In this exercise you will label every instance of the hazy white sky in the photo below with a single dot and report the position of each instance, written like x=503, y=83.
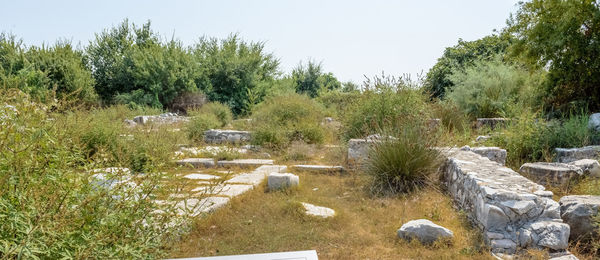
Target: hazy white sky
x=351, y=38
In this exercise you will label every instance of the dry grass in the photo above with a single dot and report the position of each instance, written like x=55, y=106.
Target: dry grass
x=364, y=227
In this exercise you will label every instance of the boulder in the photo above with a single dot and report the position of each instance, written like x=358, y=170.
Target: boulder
x=579, y=211
x=277, y=181
x=594, y=122
x=424, y=230
x=556, y=174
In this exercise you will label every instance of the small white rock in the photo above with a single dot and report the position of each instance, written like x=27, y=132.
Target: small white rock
x=318, y=211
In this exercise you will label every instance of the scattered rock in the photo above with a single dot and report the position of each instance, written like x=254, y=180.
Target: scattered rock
x=201, y=176
x=130, y=123
x=579, y=212
x=166, y=118
x=424, y=230
x=318, y=211
x=277, y=181
x=594, y=122
x=482, y=138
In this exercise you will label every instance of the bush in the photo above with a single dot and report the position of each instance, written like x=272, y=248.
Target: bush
x=386, y=103
x=529, y=138
x=492, y=89
x=200, y=123
x=280, y=120
x=53, y=208
x=222, y=112
x=402, y=161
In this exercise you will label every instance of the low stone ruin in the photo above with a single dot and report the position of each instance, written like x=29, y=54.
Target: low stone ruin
x=218, y=136
x=492, y=123
x=166, y=118
x=579, y=212
x=513, y=212
x=567, y=155
x=424, y=230
x=495, y=154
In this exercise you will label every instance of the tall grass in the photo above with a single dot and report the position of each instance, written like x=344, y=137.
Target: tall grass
x=403, y=160
x=50, y=205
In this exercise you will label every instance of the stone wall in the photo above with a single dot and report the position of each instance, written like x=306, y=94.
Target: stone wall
x=512, y=211
x=218, y=136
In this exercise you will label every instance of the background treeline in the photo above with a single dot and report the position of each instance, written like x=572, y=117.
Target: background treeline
x=134, y=65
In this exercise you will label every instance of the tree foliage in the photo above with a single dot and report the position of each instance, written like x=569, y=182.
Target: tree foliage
x=311, y=79
x=459, y=57
x=132, y=65
x=562, y=36
x=234, y=72
x=46, y=72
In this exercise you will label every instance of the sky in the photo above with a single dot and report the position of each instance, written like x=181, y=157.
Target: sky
x=352, y=39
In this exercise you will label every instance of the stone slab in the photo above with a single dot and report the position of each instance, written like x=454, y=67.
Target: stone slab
x=197, y=162
x=511, y=210
x=295, y=255
x=245, y=163
x=201, y=176
x=566, y=155
x=491, y=122
x=555, y=174
x=253, y=178
x=278, y=181
x=267, y=169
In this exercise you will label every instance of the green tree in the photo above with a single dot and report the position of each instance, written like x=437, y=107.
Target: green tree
x=131, y=65
x=46, y=73
x=234, y=72
x=562, y=36
x=311, y=79
x=459, y=57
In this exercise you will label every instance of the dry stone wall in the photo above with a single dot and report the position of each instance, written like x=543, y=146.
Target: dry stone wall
x=512, y=211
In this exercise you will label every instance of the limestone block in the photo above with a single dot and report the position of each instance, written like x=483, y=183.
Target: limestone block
x=424, y=230
x=491, y=122
x=579, y=212
x=318, y=211
x=594, y=122
x=278, y=181
x=556, y=174
x=218, y=136
x=566, y=155
x=197, y=162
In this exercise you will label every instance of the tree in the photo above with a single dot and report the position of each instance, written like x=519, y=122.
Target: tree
x=563, y=37
x=311, y=80
x=131, y=65
x=234, y=72
x=459, y=57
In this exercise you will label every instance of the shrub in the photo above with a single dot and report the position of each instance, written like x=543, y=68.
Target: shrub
x=200, y=123
x=386, y=103
x=222, y=112
x=403, y=161
x=311, y=80
x=283, y=119
x=491, y=89
x=529, y=138
x=46, y=194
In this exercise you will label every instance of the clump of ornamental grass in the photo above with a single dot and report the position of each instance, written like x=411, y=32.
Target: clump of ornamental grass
x=402, y=160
